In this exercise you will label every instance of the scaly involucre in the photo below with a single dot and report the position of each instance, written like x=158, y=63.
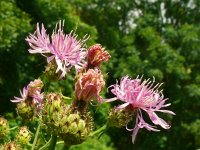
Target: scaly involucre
x=64, y=49
x=89, y=85
x=142, y=96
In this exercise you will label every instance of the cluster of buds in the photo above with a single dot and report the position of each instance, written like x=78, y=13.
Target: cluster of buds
x=30, y=101
x=23, y=137
x=63, y=120
x=76, y=128
x=4, y=127
x=90, y=82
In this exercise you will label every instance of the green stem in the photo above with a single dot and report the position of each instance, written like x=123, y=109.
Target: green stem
x=100, y=130
x=53, y=142
x=46, y=145
x=36, y=135
x=13, y=128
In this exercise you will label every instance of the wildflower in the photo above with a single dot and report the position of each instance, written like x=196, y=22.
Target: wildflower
x=31, y=94
x=63, y=49
x=97, y=55
x=24, y=95
x=141, y=96
x=89, y=85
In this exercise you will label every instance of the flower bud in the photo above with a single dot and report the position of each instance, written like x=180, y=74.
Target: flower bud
x=89, y=85
x=25, y=110
x=11, y=146
x=97, y=55
x=120, y=117
x=4, y=127
x=34, y=87
x=23, y=137
x=77, y=128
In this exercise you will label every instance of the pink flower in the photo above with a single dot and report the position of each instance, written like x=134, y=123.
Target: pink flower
x=64, y=49
x=24, y=96
x=89, y=85
x=142, y=96
x=97, y=55
x=31, y=93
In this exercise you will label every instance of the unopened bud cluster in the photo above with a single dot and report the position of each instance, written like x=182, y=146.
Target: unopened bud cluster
x=23, y=137
x=63, y=120
x=4, y=127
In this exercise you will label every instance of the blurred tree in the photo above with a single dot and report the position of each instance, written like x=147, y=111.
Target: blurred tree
x=15, y=65
x=154, y=38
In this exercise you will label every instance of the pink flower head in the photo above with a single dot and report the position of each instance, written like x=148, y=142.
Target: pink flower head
x=64, y=49
x=89, y=85
x=142, y=95
x=97, y=55
x=31, y=93
x=24, y=96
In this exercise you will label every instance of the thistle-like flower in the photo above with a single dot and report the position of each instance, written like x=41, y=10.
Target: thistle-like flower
x=24, y=96
x=31, y=94
x=97, y=55
x=141, y=96
x=89, y=85
x=63, y=49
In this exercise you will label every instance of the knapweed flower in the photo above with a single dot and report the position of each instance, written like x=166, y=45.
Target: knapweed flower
x=31, y=94
x=141, y=96
x=63, y=49
x=24, y=96
x=89, y=85
x=97, y=55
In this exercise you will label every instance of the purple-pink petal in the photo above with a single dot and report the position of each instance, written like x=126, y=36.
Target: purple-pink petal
x=65, y=49
x=142, y=96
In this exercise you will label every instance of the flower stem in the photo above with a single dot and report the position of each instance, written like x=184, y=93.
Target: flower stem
x=53, y=142
x=36, y=135
x=100, y=130
x=46, y=145
x=13, y=128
